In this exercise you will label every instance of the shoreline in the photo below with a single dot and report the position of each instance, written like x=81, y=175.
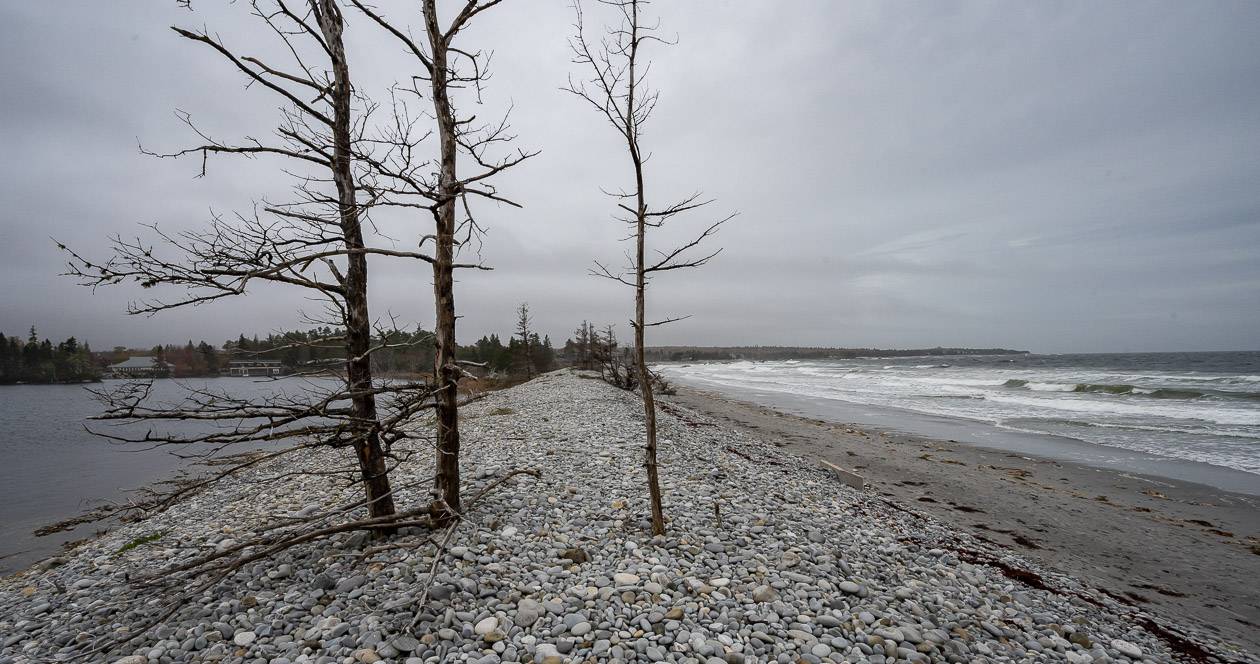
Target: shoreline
x=1183, y=551
x=767, y=558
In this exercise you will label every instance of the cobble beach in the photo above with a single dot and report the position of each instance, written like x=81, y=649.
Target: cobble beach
x=767, y=559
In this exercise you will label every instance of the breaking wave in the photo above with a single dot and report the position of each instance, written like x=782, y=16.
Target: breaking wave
x=1167, y=404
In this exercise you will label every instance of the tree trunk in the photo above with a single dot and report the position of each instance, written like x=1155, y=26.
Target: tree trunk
x=649, y=401
x=640, y=286
x=367, y=443
x=445, y=370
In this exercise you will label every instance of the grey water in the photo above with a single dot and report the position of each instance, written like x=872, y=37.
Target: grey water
x=1190, y=416
x=54, y=469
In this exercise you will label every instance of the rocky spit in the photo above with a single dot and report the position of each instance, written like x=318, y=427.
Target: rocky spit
x=767, y=559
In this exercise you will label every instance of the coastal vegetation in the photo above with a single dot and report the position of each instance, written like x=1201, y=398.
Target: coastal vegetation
x=399, y=353
x=41, y=361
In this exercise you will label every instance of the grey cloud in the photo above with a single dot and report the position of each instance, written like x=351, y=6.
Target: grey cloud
x=1062, y=177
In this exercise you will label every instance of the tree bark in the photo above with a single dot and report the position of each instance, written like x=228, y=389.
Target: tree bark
x=445, y=371
x=367, y=443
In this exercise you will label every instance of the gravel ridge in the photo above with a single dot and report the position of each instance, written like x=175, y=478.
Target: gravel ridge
x=768, y=559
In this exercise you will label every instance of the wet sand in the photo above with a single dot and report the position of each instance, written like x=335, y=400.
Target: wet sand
x=1188, y=554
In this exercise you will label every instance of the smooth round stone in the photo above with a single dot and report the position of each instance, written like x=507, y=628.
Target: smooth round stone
x=1127, y=649
x=850, y=587
x=625, y=579
x=486, y=626
x=580, y=629
x=528, y=611
x=244, y=638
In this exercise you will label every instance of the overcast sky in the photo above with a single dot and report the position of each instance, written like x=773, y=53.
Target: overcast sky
x=1058, y=176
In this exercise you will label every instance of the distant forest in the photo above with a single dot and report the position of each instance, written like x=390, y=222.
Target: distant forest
x=35, y=361
x=695, y=353
x=401, y=353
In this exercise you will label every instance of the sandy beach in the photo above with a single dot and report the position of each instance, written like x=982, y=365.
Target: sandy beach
x=1187, y=553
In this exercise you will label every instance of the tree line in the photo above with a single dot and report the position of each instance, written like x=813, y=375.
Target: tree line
x=35, y=361
x=402, y=353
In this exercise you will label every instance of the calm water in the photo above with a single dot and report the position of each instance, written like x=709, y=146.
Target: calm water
x=1195, y=407
x=51, y=468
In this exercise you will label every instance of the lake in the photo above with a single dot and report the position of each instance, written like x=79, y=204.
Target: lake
x=52, y=468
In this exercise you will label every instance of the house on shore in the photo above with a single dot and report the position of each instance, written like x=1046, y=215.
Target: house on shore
x=255, y=368
x=139, y=367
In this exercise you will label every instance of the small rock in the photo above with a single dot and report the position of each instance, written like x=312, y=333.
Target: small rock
x=577, y=556
x=1127, y=649
x=528, y=611
x=625, y=579
x=486, y=626
x=765, y=594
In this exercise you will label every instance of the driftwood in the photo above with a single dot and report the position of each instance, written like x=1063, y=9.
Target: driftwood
x=199, y=574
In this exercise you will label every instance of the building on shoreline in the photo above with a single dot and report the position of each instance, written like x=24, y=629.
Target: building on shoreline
x=139, y=367
x=255, y=368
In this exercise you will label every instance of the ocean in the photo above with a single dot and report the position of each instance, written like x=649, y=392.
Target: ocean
x=1200, y=408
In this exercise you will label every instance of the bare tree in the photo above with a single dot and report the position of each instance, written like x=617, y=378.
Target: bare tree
x=522, y=330
x=314, y=242
x=408, y=180
x=582, y=345
x=618, y=90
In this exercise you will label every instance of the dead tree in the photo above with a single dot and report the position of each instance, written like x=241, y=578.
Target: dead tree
x=522, y=329
x=618, y=90
x=408, y=180
x=315, y=242
x=582, y=346
x=611, y=360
